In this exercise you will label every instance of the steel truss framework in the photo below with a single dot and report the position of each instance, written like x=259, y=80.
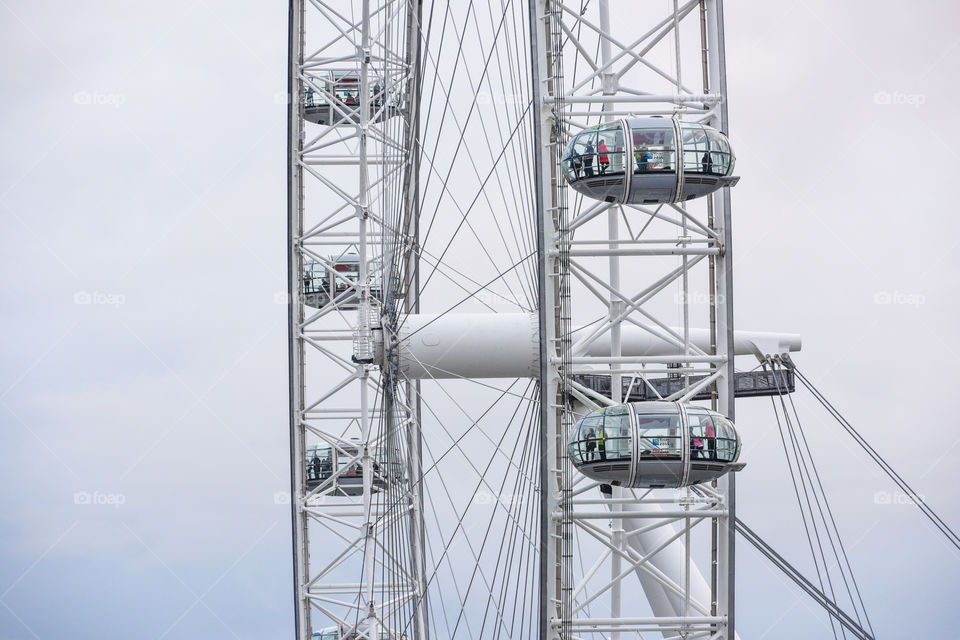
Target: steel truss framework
x=585, y=75
x=339, y=182
x=354, y=188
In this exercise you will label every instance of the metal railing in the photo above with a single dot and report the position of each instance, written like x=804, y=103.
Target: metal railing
x=612, y=163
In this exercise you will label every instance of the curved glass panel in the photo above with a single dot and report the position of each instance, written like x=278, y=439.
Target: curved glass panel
x=346, y=274
x=696, y=148
x=596, y=152
x=721, y=155
x=610, y=151
x=726, y=440
x=582, y=447
x=654, y=150
x=703, y=436
x=582, y=156
x=705, y=150
x=659, y=436
x=314, y=277
x=312, y=98
x=614, y=441
x=386, y=465
x=602, y=436
x=566, y=165
x=346, y=88
x=319, y=462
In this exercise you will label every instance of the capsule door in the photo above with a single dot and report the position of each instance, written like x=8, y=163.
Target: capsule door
x=658, y=447
x=653, y=178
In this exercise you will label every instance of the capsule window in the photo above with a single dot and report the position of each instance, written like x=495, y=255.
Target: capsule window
x=569, y=162
x=343, y=459
x=721, y=156
x=584, y=445
x=653, y=150
x=346, y=88
x=314, y=98
x=659, y=436
x=696, y=149
x=610, y=149
x=333, y=96
x=319, y=462
x=615, y=442
x=314, y=277
x=345, y=276
x=703, y=436
x=334, y=278
x=582, y=160
x=385, y=465
x=726, y=440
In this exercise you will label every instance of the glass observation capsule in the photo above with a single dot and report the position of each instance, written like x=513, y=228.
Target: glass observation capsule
x=654, y=444
x=333, y=98
x=340, y=472
x=636, y=161
x=335, y=280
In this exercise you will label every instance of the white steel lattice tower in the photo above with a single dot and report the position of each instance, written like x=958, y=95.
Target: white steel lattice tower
x=353, y=429
x=588, y=72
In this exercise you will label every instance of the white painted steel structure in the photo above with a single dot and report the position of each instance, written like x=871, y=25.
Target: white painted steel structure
x=593, y=279
x=588, y=72
x=365, y=581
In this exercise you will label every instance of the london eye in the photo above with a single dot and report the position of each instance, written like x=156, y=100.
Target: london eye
x=508, y=417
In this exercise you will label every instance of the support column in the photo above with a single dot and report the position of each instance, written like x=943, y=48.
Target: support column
x=295, y=355
x=548, y=213
x=411, y=215
x=726, y=538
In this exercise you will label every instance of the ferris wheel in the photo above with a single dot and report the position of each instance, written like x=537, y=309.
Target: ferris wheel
x=511, y=323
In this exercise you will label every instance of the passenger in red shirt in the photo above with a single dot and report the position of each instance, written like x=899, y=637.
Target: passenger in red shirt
x=604, y=159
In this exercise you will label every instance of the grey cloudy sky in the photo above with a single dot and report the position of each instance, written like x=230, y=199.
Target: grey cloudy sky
x=142, y=180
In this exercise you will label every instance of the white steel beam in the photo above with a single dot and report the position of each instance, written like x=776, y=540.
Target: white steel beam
x=459, y=345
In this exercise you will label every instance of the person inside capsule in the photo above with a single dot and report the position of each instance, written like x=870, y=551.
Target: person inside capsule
x=703, y=437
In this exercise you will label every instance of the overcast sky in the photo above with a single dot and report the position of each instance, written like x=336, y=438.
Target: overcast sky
x=143, y=390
